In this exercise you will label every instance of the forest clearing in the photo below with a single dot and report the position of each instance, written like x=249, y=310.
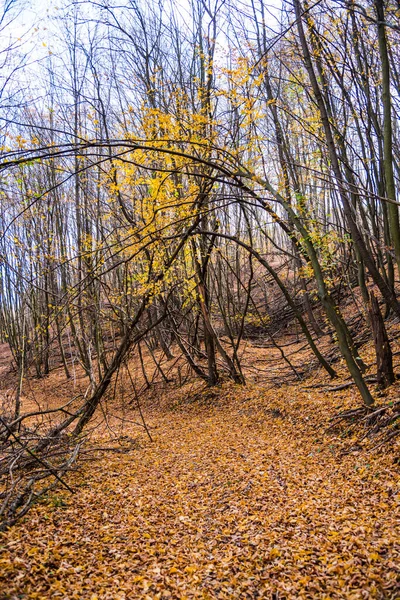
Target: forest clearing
x=199, y=299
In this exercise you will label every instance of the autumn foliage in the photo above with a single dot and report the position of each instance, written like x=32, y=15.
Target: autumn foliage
x=199, y=282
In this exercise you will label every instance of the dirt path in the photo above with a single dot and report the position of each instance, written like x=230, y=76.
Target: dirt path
x=245, y=499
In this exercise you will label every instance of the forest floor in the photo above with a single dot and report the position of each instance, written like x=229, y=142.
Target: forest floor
x=241, y=494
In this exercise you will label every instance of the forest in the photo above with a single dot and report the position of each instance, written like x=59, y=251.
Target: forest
x=199, y=299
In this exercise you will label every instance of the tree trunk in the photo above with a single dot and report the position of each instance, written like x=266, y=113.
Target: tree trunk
x=384, y=358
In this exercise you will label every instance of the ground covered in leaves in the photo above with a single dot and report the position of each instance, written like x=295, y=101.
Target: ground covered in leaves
x=240, y=495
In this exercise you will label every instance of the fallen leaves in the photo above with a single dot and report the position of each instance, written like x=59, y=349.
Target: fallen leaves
x=230, y=501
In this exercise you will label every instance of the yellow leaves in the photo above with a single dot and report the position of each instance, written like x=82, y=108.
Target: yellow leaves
x=374, y=556
x=306, y=271
x=21, y=142
x=275, y=553
x=191, y=569
x=333, y=535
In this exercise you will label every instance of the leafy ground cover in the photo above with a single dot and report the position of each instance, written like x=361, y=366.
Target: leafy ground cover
x=240, y=495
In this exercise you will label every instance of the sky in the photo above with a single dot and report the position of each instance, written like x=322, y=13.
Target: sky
x=36, y=31
x=34, y=14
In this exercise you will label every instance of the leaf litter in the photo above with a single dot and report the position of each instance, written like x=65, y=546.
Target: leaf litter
x=240, y=495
